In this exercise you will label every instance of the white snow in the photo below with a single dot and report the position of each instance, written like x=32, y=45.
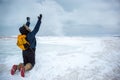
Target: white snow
x=65, y=58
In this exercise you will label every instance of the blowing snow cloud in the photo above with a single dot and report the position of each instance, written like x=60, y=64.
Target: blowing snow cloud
x=62, y=17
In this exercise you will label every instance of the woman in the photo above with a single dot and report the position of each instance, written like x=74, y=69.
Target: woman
x=29, y=54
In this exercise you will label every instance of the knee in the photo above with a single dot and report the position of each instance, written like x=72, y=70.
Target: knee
x=28, y=66
x=20, y=65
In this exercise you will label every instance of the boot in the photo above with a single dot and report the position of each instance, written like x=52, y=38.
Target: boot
x=22, y=71
x=13, y=70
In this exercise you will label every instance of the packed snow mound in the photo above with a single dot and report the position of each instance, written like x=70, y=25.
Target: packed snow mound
x=65, y=58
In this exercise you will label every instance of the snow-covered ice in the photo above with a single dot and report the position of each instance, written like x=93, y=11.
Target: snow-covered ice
x=65, y=58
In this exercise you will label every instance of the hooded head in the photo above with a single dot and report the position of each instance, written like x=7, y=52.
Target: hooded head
x=24, y=29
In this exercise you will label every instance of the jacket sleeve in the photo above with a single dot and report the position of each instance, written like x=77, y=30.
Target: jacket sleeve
x=37, y=26
x=28, y=23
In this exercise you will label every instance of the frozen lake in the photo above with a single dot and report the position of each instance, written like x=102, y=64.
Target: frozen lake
x=65, y=58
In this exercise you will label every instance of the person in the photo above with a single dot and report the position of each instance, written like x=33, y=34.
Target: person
x=29, y=54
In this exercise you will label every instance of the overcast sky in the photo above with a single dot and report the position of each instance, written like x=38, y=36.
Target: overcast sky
x=62, y=17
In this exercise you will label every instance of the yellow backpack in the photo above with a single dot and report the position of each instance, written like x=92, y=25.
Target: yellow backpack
x=22, y=43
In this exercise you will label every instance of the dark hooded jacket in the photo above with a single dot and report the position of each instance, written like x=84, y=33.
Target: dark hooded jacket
x=31, y=35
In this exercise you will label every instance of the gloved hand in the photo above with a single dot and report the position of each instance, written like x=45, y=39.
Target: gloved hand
x=40, y=17
x=28, y=19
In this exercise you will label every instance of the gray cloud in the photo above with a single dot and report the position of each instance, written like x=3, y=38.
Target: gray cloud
x=104, y=14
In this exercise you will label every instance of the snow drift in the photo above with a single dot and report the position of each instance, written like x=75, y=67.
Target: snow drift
x=65, y=58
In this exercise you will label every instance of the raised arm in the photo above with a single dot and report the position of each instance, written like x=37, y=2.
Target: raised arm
x=28, y=21
x=37, y=26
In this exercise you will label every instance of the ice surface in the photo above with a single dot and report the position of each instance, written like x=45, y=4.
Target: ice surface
x=65, y=58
